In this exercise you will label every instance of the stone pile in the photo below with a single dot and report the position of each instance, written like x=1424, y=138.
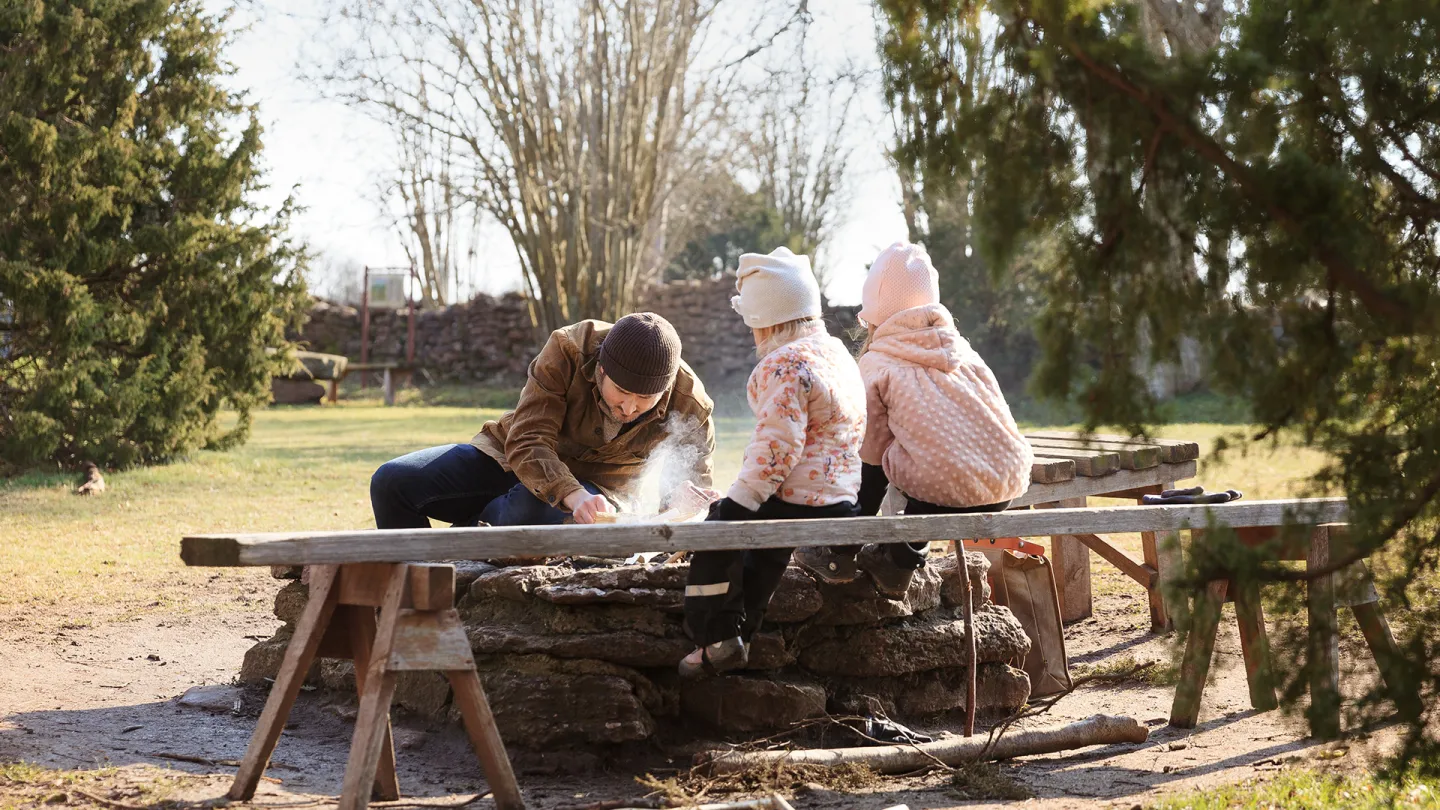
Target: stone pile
x=588, y=657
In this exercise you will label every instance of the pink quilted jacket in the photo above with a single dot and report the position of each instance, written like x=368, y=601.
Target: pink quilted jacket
x=936, y=420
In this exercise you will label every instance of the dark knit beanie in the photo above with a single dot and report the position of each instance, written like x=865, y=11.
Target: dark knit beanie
x=641, y=353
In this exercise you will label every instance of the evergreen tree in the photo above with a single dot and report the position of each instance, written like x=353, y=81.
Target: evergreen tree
x=1273, y=192
x=140, y=289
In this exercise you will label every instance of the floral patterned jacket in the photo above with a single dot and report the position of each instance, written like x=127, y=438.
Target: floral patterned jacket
x=809, y=405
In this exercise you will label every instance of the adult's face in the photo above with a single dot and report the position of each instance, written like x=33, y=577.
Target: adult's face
x=621, y=405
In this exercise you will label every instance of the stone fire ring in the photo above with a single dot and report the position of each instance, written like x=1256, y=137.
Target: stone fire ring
x=588, y=657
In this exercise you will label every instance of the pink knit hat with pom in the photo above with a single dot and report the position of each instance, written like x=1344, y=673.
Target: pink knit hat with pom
x=902, y=277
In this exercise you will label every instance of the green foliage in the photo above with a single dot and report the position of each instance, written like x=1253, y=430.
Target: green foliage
x=1270, y=188
x=139, y=290
x=995, y=311
x=741, y=222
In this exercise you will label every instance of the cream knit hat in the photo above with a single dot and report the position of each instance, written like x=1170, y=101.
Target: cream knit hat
x=775, y=287
x=902, y=277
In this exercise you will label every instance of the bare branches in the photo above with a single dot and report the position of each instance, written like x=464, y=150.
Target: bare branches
x=565, y=121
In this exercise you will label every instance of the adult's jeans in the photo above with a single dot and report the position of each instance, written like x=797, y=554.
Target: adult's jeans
x=457, y=484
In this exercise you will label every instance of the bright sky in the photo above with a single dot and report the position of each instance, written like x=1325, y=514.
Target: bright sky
x=331, y=155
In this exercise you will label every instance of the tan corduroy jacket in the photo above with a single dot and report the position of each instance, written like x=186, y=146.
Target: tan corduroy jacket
x=556, y=436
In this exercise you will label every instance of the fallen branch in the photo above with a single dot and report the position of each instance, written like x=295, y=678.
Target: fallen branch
x=101, y=800
x=1097, y=730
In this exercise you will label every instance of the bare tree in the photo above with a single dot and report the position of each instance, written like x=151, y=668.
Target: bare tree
x=569, y=121
x=435, y=216
x=799, y=149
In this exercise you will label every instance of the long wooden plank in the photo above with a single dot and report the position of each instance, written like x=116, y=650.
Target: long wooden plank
x=1126, y=481
x=1087, y=462
x=310, y=548
x=1173, y=450
x=1131, y=457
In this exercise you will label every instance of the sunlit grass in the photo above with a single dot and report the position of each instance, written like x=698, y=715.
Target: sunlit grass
x=308, y=468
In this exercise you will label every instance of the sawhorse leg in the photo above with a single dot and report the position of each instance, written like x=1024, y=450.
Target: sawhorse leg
x=417, y=629
x=1199, y=648
x=1070, y=560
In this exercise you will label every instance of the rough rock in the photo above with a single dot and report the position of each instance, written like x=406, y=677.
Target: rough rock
x=935, y=641
x=797, y=598
x=425, y=693
x=859, y=603
x=516, y=584
x=539, y=616
x=624, y=647
x=999, y=690
x=950, y=593
x=768, y=651
x=567, y=594
x=290, y=602
x=741, y=703
x=540, y=701
x=211, y=698
x=337, y=674
x=624, y=577
x=263, y=660
x=466, y=572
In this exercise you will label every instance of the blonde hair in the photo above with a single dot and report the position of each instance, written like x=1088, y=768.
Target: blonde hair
x=770, y=338
x=866, y=329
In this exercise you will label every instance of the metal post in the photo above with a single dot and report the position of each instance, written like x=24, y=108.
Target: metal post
x=365, y=327
x=410, y=328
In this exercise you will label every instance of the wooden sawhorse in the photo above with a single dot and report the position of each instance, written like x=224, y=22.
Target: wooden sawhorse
x=1357, y=592
x=417, y=629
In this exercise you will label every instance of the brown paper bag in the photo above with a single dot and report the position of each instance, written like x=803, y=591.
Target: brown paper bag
x=1025, y=583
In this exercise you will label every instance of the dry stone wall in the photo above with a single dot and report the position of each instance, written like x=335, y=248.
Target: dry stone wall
x=588, y=657
x=490, y=339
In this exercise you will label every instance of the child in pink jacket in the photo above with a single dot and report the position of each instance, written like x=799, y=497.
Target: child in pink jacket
x=803, y=460
x=938, y=426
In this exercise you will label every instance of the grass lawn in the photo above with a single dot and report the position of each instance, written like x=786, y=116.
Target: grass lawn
x=309, y=468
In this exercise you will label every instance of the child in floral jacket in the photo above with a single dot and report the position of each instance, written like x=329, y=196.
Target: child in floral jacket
x=803, y=460
x=938, y=425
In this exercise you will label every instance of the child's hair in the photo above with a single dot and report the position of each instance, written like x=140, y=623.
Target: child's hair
x=864, y=344
x=770, y=338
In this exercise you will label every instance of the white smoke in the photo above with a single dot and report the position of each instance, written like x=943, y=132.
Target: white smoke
x=677, y=459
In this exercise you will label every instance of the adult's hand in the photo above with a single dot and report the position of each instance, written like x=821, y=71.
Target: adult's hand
x=584, y=507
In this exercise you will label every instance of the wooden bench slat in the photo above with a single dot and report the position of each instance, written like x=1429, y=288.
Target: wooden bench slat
x=1051, y=470
x=308, y=548
x=1087, y=464
x=1130, y=458
x=1173, y=451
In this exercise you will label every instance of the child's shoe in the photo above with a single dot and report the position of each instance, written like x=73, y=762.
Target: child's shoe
x=826, y=565
x=713, y=659
x=891, y=580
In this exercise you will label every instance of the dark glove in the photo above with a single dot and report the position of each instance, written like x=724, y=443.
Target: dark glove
x=1173, y=497
x=726, y=509
x=886, y=730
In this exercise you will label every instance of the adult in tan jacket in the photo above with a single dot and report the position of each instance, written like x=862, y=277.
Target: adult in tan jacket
x=602, y=403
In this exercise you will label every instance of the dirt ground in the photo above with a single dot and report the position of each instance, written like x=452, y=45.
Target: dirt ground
x=84, y=690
